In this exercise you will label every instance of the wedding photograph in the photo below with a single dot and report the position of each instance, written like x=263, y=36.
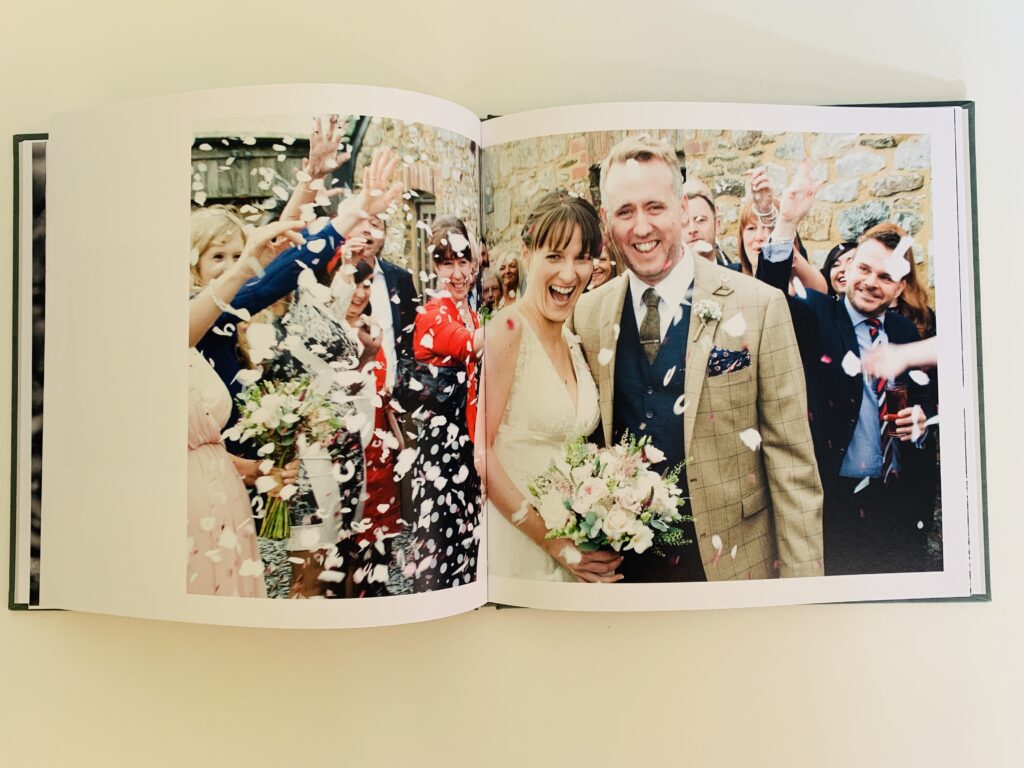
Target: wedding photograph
x=712, y=356
x=333, y=364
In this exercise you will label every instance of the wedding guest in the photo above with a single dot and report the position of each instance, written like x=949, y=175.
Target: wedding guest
x=606, y=266
x=877, y=463
x=445, y=484
x=834, y=268
x=381, y=519
x=508, y=273
x=223, y=557
x=756, y=230
x=701, y=232
x=490, y=291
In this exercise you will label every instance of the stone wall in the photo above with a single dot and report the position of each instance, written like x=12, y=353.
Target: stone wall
x=435, y=163
x=869, y=178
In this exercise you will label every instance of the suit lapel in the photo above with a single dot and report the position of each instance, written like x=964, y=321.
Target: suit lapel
x=392, y=285
x=708, y=285
x=845, y=327
x=612, y=307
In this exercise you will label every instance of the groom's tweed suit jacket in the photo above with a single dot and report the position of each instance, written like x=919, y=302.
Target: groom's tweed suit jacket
x=765, y=503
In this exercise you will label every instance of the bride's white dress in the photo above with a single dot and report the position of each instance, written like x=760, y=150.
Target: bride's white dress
x=538, y=420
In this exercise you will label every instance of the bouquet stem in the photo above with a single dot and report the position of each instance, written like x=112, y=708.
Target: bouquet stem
x=277, y=522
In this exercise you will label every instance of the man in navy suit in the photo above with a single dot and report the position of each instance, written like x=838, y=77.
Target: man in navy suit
x=393, y=302
x=878, y=494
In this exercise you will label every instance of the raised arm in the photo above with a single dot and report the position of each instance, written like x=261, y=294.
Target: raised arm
x=206, y=306
x=324, y=157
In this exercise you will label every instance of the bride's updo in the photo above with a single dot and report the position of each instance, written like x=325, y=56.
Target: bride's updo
x=554, y=219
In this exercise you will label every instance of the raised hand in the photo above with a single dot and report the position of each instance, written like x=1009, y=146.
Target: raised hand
x=324, y=143
x=376, y=194
x=263, y=244
x=759, y=189
x=796, y=199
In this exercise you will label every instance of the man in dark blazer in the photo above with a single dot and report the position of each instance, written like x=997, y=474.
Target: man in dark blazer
x=393, y=303
x=878, y=494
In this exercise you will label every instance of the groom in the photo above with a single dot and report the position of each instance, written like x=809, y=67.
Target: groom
x=703, y=360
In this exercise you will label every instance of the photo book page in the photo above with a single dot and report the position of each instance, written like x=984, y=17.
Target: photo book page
x=610, y=357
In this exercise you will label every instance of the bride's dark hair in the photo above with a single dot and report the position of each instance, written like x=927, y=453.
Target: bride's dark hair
x=554, y=219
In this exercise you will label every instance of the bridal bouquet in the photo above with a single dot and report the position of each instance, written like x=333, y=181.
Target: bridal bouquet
x=610, y=497
x=281, y=415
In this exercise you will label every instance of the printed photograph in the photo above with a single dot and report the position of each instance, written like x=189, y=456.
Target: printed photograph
x=334, y=339
x=710, y=356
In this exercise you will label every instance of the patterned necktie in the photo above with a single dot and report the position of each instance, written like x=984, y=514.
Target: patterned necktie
x=888, y=442
x=650, y=329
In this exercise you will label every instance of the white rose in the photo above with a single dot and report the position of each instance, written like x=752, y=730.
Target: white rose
x=553, y=512
x=590, y=492
x=646, y=482
x=642, y=539
x=629, y=499
x=617, y=523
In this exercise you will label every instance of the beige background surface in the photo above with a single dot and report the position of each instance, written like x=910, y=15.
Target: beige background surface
x=929, y=684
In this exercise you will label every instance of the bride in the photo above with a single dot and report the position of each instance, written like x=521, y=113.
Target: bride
x=539, y=393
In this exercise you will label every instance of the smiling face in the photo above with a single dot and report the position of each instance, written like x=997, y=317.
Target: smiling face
x=455, y=275
x=602, y=270
x=837, y=273
x=870, y=286
x=645, y=215
x=702, y=231
x=360, y=299
x=755, y=235
x=508, y=273
x=490, y=290
x=219, y=255
x=557, y=276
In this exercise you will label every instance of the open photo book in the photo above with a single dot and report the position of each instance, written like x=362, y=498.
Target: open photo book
x=610, y=357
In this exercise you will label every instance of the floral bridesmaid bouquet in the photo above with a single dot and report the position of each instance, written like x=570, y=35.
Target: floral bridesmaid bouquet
x=281, y=415
x=610, y=498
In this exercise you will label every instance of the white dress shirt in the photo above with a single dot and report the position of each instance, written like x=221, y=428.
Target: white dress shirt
x=671, y=292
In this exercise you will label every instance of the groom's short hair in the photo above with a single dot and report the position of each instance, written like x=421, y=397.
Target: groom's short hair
x=642, y=148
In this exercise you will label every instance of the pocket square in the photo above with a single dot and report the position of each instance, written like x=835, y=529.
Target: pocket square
x=727, y=361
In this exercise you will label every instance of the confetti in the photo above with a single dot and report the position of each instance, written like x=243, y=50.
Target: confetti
x=205, y=147
x=250, y=567
x=862, y=485
x=826, y=359
x=851, y=364
x=703, y=246
x=207, y=523
x=919, y=377
x=735, y=325
x=605, y=356
x=461, y=475
x=679, y=406
x=915, y=427
x=265, y=466
x=520, y=514
x=615, y=331
x=716, y=542
x=751, y=438
x=278, y=147
x=734, y=550
x=228, y=539
x=265, y=483
x=200, y=198
x=266, y=450
x=571, y=555
x=404, y=461
x=933, y=420
x=798, y=288
x=920, y=525
x=668, y=376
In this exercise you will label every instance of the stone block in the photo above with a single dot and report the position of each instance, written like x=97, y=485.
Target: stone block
x=879, y=142
x=828, y=145
x=816, y=223
x=739, y=166
x=914, y=154
x=856, y=219
x=909, y=221
x=554, y=147
x=859, y=163
x=729, y=186
x=502, y=210
x=891, y=184
x=791, y=148
x=745, y=139
x=840, y=191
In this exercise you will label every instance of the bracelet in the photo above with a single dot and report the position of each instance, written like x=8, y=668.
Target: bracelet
x=223, y=306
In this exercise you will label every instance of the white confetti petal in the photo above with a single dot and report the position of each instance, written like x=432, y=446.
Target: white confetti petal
x=915, y=427
x=862, y=485
x=703, y=246
x=458, y=243
x=288, y=491
x=520, y=514
x=207, y=523
x=266, y=450
x=734, y=550
x=265, y=466
x=461, y=475
x=920, y=525
x=427, y=341
x=604, y=356
x=668, y=376
x=248, y=376
x=265, y=483
x=934, y=420
x=205, y=147
x=735, y=325
x=571, y=555
x=798, y=288
x=200, y=198
x=851, y=364
x=333, y=577
x=228, y=539
x=250, y=567
x=919, y=377
x=679, y=406
x=716, y=542
x=751, y=438
x=315, y=246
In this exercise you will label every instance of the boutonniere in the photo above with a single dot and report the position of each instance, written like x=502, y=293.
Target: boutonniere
x=708, y=311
